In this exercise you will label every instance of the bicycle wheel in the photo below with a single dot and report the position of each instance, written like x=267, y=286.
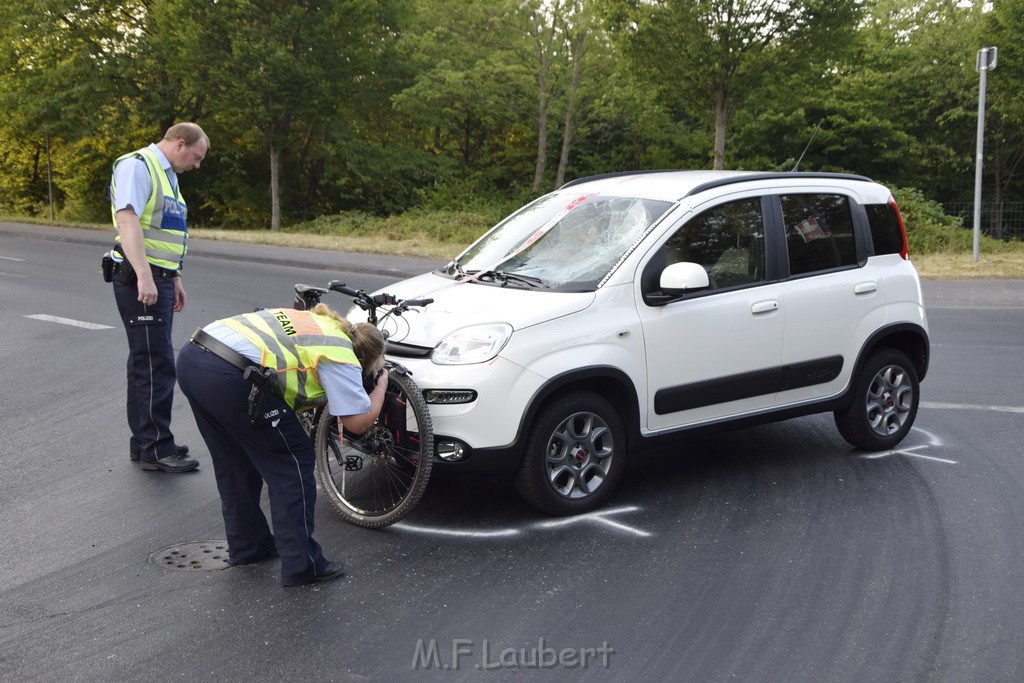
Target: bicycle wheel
x=376, y=478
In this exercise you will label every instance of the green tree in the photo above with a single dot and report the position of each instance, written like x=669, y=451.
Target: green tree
x=707, y=56
x=275, y=73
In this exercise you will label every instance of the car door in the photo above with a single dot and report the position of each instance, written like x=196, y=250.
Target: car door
x=831, y=299
x=712, y=354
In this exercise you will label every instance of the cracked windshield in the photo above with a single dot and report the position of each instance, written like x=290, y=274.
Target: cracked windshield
x=562, y=241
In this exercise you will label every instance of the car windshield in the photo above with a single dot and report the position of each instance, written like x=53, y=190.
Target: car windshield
x=561, y=241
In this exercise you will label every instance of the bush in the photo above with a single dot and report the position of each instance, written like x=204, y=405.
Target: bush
x=929, y=230
x=447, y=227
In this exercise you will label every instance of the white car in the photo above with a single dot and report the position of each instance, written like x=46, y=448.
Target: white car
x=631, y=306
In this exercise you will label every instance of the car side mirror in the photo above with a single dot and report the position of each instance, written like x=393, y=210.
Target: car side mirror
x=683, y=278
x=675, y=281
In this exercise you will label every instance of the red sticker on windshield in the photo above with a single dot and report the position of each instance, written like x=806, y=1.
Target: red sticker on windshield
x=579, y=200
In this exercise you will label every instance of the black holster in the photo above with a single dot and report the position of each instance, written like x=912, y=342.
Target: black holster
x=264, y=382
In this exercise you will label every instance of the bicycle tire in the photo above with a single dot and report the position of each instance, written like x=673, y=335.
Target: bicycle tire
x=376, y=479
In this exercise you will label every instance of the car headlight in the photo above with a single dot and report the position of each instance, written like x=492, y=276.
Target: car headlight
x=476, y=344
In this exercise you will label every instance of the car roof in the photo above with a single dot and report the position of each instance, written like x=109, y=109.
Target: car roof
x=674, y=185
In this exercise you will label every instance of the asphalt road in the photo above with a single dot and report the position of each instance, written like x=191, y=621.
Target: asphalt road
x=774, y=553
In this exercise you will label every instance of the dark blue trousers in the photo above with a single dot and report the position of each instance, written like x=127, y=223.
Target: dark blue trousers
x=150, y=368
x=244, y=456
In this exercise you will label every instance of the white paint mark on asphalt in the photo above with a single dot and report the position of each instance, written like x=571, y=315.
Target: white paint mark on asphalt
x=600, y=518
x=11, y=258
x=498, y=533
x=12, y=274
x=931, y=457
x=69, y=321
x=971, y=406
x=910, y=450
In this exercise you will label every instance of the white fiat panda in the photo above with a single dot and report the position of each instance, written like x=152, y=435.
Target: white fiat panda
x=626, y=307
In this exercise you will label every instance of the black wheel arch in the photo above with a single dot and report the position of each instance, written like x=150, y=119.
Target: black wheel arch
x=909, y=338
x=609, y=382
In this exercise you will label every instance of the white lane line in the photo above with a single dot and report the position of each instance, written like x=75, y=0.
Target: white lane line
x=69, y=321
x=11, y=258
x=12, y=274
x=971, y=406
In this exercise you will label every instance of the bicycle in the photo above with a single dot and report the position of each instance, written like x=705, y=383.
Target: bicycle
x=376, y=478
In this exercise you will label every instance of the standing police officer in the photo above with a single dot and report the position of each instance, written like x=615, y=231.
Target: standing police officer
x=149, y=214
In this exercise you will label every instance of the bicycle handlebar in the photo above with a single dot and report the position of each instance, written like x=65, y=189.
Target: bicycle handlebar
x=367, y=302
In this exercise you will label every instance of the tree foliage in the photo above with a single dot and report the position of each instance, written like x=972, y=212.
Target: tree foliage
x=320, y=106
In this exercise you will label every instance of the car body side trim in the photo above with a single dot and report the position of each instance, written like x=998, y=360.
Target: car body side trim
x=747, y=385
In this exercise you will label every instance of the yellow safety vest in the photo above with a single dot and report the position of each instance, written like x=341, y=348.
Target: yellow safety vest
x=163, y=218
x=293, y=343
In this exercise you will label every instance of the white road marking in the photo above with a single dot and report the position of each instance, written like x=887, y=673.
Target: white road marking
x=12, y=274
x=971, y=406
x=69, y=321
x=11, y=258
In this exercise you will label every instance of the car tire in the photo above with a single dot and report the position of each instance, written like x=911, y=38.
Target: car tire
x=574, y=454
x=886, y=394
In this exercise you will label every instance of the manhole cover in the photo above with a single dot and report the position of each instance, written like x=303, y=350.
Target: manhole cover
x=197, y=555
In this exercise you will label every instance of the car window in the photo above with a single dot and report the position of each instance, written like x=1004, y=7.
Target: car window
x=886, y=233
x=728, y=240
x=819, y=232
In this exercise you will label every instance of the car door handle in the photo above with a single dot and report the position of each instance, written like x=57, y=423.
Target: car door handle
x=866, y=288
x=764, y=307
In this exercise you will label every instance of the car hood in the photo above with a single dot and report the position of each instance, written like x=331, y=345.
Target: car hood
x=459, y=304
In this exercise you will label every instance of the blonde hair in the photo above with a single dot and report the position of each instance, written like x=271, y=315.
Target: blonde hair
x=367, y=341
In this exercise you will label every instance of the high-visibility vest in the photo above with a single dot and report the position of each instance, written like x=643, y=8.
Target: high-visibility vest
x=163, y=218
x=293, y=343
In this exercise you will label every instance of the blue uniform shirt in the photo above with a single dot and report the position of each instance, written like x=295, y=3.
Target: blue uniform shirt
x=133, y=184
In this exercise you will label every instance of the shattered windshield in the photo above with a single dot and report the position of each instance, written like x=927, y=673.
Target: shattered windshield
x=561, y=241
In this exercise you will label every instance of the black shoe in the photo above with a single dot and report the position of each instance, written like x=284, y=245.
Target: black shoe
x=182, y=450
x=172, y=463
x=332, y=571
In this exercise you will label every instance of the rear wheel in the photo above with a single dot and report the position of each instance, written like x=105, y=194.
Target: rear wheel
x=376, y=478
x=574, y=455
x=886, y=395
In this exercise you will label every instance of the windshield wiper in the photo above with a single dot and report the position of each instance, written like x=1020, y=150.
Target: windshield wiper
x=505, y=278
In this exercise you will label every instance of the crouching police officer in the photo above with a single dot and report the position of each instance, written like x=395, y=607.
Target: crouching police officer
x=244, y=378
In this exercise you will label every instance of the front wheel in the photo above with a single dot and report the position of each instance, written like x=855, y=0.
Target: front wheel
x=574, y=455
x=886, y=394
x=375, y=479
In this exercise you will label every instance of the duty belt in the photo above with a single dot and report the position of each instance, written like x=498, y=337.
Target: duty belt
x=207, y=342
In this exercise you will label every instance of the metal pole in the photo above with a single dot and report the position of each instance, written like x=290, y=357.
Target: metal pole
x=986, y=62
x=49, y=176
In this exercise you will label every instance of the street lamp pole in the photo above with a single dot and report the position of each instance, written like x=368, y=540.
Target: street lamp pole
x=986, y=62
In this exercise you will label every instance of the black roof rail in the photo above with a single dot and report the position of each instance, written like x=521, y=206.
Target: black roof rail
x=728, y=180
x=777, y=175
x=617, y=174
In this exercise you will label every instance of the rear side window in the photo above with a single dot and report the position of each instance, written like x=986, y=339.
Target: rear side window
x=819, y=232
x=885, y=228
